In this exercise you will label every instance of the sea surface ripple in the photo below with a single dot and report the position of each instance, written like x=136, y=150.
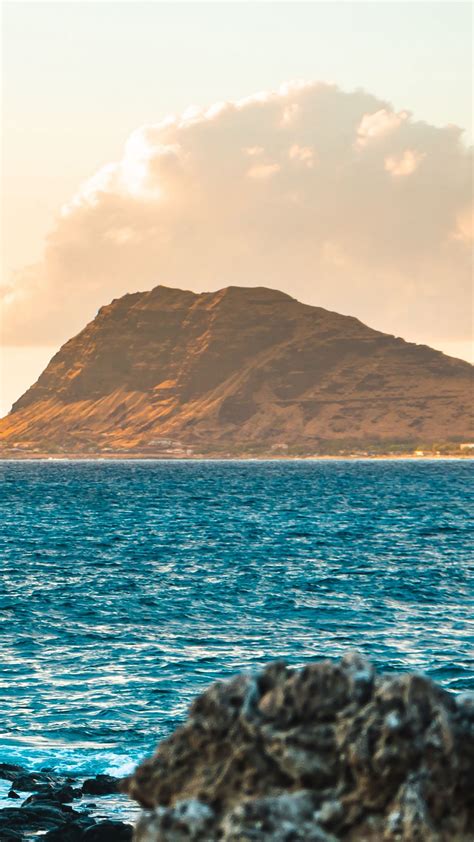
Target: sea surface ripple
x=128, y=586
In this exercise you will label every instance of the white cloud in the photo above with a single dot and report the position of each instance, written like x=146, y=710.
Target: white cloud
x=331, y=196
x=378, y=124
x=404, y=164
x=253, y=150
x=303, y=154
x=261, y=171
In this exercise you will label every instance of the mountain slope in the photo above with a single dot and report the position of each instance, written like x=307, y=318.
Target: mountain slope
x=238, y=368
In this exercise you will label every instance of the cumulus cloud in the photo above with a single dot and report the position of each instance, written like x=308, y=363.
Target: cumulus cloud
x=374, y=126
x=331, y=196
x=404, y=164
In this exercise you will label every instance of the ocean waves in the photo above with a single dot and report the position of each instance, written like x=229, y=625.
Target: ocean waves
x=128, y=587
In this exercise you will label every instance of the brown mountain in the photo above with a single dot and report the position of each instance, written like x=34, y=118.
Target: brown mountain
x=237, y=370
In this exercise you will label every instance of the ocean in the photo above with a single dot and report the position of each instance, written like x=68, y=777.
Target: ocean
x=127, y=587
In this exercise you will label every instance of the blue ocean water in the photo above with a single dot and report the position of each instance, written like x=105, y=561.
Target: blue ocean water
x=128, y=586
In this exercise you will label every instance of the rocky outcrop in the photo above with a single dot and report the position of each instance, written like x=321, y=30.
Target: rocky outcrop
x=41, y=808
x=236, y=371
x=325, y=753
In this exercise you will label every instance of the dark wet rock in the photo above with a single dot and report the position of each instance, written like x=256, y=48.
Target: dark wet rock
x=11, y=836
x=326, y=753
x=72, y=831
x=34, y=817
x=38, y=800
x=9, y=771
x=87, y=830
x=101, y=785
x=44, y=812
x=46, y=808
x=67, y=833
x=31, y=781
x=56, y=793
x=109, y=831
x=68, y=793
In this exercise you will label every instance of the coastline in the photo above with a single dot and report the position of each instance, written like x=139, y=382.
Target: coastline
x=123, y=457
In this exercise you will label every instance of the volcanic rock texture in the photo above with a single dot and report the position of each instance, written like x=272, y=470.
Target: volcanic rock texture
x=329, y=752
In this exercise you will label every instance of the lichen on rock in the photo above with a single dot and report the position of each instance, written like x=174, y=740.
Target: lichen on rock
x=329, y=752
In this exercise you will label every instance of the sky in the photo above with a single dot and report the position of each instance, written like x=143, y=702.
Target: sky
x=350, y=191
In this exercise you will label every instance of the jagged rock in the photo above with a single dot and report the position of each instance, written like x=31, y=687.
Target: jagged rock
x=329, y=752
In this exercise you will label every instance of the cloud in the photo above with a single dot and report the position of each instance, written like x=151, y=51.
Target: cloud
x=373, y=127
x=331, y=196
x=263, y=170
x=303, y=154
x=404, y=164
x=465, y=226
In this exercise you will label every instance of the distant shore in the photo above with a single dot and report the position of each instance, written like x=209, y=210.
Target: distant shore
x=141, y=457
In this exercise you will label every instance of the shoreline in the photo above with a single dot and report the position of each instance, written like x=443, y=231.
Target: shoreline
x=123, y=457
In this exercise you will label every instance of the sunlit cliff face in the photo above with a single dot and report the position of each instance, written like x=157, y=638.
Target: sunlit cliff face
x=328, y=195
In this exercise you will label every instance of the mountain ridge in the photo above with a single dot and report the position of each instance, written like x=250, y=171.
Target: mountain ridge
x=237, y=368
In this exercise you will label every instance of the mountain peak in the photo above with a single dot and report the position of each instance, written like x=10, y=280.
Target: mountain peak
x=239, y=367
x=250, y=293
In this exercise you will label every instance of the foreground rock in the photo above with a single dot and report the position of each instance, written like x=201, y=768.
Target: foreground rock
x=46, y=810
x=329, y=752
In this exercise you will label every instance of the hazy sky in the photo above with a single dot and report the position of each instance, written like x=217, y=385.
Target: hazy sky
x=340, y=197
